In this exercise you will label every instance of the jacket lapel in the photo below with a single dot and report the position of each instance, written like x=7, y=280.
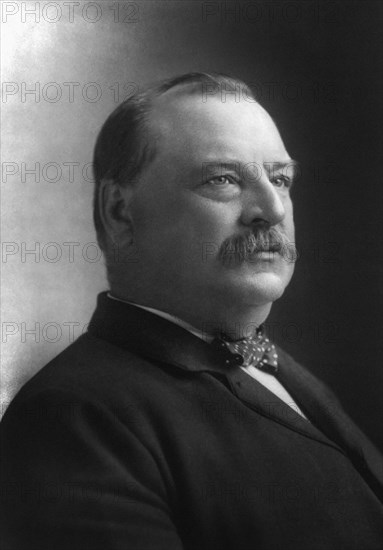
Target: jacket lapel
x=266, y=403
x=329, y=416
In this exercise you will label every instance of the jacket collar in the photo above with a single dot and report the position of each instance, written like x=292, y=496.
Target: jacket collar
x=172, y=318
x=152, y=336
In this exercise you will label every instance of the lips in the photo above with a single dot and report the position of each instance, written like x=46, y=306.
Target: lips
x=272, y=247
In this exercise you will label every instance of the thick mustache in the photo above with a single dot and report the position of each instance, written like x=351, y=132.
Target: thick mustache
x=242, y=248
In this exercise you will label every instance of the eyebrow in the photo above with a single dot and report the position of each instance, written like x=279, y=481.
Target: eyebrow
x=294, y=163
x=237, y=166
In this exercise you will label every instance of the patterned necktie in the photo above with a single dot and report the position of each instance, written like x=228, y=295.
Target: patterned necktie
x=256, y=351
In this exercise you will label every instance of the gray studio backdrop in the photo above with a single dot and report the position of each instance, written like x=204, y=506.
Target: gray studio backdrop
x=314, y=65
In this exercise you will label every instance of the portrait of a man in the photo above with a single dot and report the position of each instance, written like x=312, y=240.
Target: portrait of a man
x=177, y=419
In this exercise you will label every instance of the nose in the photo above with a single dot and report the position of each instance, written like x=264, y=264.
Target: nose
x=262, y=203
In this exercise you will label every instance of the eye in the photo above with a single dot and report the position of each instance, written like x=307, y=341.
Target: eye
x=221, y=181
x=282, y=181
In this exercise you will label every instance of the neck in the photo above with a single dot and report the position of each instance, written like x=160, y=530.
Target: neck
x=235, y=320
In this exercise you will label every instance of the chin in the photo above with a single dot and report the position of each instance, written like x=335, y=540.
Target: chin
x=266, y=287
x=259, y=288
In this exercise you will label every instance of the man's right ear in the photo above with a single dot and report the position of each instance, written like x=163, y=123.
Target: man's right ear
x=114, y=209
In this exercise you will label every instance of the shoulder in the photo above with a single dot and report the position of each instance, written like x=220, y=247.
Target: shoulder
x=90, y=374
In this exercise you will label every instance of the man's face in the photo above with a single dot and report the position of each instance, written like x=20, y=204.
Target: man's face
x=214, y=177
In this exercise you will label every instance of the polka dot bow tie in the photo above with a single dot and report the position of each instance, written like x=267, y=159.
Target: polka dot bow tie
x=256, y=351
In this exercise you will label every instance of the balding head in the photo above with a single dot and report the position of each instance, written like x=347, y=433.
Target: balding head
x=127, y=141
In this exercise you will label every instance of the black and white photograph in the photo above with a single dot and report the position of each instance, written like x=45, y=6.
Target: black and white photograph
x=191, y=288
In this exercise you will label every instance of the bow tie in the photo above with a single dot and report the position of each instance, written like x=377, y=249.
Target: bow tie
x=256, y=351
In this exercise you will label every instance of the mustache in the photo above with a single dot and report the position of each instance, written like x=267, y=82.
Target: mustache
x=245, y=247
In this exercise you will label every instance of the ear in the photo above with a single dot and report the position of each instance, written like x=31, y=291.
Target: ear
x=114, y=204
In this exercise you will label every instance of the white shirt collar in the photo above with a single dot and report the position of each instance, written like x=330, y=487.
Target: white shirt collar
x=199, y=333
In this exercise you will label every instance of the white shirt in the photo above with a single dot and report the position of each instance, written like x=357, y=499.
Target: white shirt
x=265, y=378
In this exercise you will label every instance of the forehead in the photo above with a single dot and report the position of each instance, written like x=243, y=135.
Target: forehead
x=187, y=127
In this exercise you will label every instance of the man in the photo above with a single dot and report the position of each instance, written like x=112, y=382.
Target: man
x=174, y=423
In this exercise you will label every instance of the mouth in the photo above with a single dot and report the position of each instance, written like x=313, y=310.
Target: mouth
x=266, y=252
x=268, y=248
x=263, y=255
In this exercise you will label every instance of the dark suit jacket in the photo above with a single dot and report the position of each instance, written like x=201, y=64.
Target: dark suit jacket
x=136, y=437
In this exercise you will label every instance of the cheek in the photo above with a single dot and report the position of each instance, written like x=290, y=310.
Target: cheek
x=208, y=227
x=289, y=219
x=194, y=217
x=182, y=224
x=211, y=217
